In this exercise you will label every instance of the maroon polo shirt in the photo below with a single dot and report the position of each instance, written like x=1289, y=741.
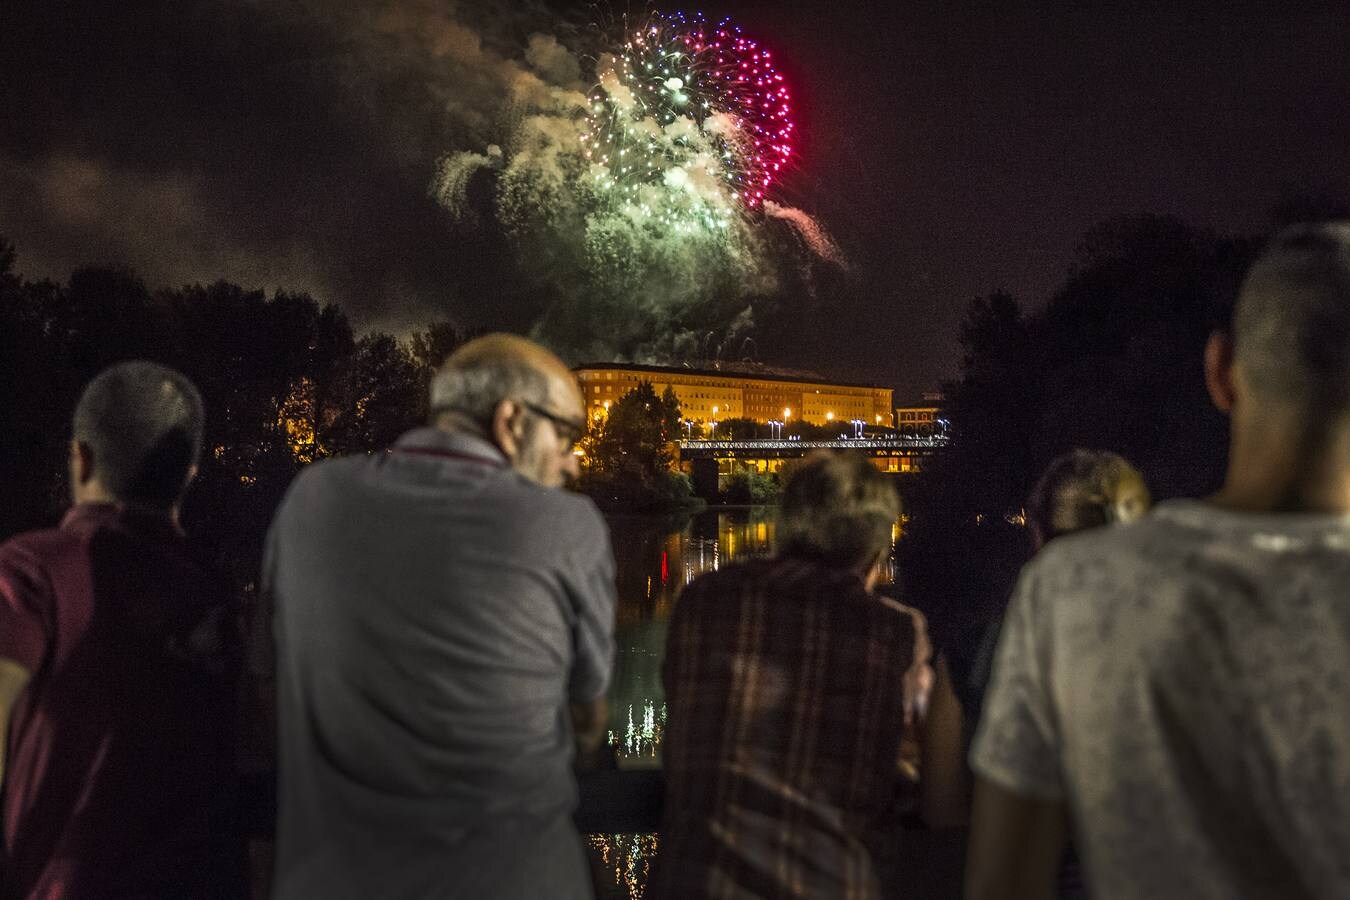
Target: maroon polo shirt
x=119, y=763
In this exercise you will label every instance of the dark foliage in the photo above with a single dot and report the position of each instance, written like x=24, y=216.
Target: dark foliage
x=283, y=380
x=1113, y=361
x=752, y=488
x=629, y=453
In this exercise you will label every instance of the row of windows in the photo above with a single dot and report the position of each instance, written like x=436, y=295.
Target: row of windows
x=736, y=384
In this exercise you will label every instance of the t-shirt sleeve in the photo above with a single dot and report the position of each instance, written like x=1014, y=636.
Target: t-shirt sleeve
x=25, y=603
x=1017, y=743
x=594, y=598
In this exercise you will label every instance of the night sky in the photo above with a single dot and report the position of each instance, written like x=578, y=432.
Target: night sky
x=951, y=149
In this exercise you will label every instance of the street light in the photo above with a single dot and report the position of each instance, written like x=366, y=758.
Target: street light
x=829, y=417
x=713, y=423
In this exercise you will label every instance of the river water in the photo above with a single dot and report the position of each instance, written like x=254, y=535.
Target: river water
x=655, y=558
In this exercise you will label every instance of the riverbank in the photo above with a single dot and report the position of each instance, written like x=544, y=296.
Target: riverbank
x=673, y=493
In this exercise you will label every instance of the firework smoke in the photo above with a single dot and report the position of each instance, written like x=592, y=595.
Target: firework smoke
x=637, y=208
x=810, y=232
x=453, y=174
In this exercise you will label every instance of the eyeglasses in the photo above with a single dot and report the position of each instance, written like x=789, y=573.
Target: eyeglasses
x=569, y=431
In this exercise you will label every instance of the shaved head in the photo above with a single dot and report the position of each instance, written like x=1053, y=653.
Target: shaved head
x=518, y=395
x=142, y=422
x=497, y=367
x=1291, y=327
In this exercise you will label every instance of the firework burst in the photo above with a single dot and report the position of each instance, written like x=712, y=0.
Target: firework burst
x=689, y=123
x=643, y=206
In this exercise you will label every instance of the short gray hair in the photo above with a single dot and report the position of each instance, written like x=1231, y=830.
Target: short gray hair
x=143, y=423
x=837, y=508
x=1291, y=327
x=473, y=385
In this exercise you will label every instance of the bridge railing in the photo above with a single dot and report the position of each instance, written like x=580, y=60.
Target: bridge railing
x=900, y=443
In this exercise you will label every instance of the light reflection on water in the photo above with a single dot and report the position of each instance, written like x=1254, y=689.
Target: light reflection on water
x=655, y=559
x=625, y=857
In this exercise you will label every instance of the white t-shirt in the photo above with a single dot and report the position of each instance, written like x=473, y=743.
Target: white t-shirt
x=1183, y=684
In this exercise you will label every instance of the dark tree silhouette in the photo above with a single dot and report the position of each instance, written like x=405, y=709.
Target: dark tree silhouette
x=282, y=379
x=1112, y=361
x=381, y=392
x=628, y=453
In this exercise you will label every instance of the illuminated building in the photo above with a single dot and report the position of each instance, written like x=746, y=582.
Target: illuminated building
x=921, y=418
x=757, y=393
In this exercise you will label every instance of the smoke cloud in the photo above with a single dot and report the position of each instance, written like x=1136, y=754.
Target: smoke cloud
x=640, y=256
x=410, y=160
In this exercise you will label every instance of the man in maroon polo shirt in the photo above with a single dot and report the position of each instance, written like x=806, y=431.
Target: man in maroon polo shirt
x=117, y=669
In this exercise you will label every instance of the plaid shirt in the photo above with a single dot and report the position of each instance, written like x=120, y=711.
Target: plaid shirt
x=785, y=688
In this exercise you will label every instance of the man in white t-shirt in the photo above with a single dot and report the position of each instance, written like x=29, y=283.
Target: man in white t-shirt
x=1179, y=689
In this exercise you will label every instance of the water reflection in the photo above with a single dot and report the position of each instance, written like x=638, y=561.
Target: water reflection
x=625, y=858
x=656, y=558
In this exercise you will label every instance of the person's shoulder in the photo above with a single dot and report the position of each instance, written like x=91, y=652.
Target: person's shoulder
x=1086, y=573
x=33, y=548
x=785, y=576
x=729, y=576
x=554, y=506
x=1110, y=545
x=332, y=469
x=569, y=503
x=546, y=517
x=323, y=477
x=28, y=561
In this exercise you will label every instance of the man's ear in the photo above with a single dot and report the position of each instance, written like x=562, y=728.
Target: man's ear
x=505, y=433
x=1219, y=371
x=81, y=462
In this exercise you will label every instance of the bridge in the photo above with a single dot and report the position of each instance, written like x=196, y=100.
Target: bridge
x=712, y=462
x=786, y=448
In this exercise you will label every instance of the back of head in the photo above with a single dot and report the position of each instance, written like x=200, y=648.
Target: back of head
x=839, y=509
x=1084, y=489
x=1292, y=322
x=488, y=370
x=143, y=424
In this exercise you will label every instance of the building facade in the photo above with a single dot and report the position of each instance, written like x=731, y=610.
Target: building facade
x=921, y=419
x=709, y=395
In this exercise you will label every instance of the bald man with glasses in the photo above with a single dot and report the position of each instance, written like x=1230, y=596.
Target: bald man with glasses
x=444, y=637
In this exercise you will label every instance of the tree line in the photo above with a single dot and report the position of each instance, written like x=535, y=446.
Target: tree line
x=1112, y=361
x=283, y=378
